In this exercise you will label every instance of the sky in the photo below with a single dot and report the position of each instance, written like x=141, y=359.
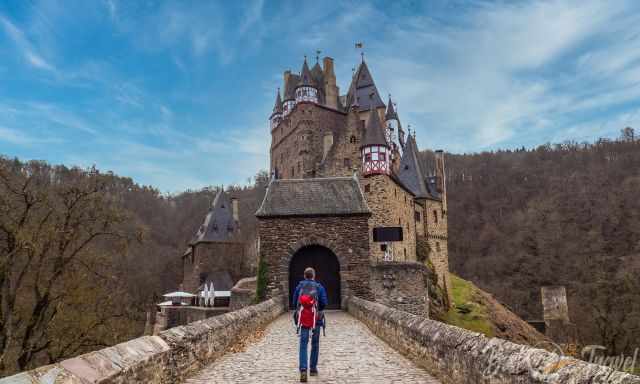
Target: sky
x=177, y=94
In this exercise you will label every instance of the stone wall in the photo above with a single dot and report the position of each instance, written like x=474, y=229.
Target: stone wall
x=243, y=293
x=455, y=355
x=215, y=256
x=297, y=142
x=391, y=206
x=173, y=316
x=402, y=286
x=346, y=236
x=437, y=240
x=167, y=358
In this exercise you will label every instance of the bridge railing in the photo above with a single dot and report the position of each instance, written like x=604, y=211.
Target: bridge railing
x=456, y=355
x=169, y=357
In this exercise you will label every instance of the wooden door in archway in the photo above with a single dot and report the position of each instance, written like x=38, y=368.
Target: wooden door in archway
x=327, y=268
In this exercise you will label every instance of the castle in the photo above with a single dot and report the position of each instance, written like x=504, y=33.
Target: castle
x=348, y=195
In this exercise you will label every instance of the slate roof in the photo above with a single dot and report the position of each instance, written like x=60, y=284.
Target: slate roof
x=391, y=112
x=374, y=133
x=318, y=75
x=332, y=196
x=305, y=76
x=277, y=108
x=290, y=87
x=364, y=90
x=219, y=224
x=410, y=174
x=432, y=186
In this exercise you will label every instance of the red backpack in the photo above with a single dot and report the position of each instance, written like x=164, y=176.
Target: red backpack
x=307, y=305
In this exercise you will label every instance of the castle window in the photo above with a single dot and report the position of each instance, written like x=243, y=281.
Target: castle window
x=367, y=188
x=293, y=171
x=438, y=246
x=395, y=192
x=367, y=157
x=435, y=216
x=417, y=215
x=352, y=139
x=383, y=247
x=382, y=156
x=347, y=162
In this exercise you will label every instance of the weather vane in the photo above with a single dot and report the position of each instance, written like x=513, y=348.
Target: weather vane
x=360, y=46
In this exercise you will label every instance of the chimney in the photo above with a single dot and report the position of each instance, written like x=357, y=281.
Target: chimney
x=441, y=181
x=287, y=75
x=331, y=90
x=234, y=205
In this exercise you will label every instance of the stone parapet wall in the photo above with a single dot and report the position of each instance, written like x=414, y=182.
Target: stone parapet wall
x=243, y=293
x=401, y=285
x=169, y=357
x=455, y=355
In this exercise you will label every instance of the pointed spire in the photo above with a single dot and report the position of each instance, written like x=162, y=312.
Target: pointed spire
x=391, y=112
x=410, y=173
x=305, y=75
x=362, y=86
x=374, y=133
x=277, y=108
x=218, y=221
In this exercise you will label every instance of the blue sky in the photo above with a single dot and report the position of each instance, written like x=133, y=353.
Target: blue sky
x=177, y=94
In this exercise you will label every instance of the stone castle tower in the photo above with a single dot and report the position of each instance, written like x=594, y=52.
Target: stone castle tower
x=321, y=144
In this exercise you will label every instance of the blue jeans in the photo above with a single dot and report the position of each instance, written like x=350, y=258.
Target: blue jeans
x=315, y=346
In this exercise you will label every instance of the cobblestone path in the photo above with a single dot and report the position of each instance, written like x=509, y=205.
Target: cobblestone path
x=349, y=353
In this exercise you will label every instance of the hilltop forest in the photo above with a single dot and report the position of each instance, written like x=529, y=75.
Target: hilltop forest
x=84, y=254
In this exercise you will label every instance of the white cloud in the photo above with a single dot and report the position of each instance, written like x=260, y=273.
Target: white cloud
x=25, y=47
x=502, y=72
x=19, y=137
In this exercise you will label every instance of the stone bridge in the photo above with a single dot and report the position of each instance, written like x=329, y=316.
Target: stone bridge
x=370, y=343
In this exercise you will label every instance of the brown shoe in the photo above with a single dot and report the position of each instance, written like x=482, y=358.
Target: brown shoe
x=303, y=377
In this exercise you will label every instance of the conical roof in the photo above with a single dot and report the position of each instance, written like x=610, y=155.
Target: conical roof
x=374, y=133
x=410, y=174
x=290, y=87
x=391, y=111
x=305, y=76
x=364, y=89
x=277, y=108
x=317, y=74
x=219, y=224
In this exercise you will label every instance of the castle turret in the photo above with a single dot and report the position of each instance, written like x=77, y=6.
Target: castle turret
x=331, y=90
x=276, y=116
x=441, y=182
x=392, y=122
x=306, y=90
x=375, y=149
x=290, y=83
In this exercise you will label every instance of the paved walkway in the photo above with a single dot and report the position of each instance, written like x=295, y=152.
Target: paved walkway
x=349, y=353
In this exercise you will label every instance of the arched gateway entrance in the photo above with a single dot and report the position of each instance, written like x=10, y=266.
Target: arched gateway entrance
x=327, y=267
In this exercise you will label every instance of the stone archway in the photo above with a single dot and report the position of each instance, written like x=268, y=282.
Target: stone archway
x=327, y=267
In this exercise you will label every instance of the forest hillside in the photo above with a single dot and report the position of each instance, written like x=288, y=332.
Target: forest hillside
x=83, y=254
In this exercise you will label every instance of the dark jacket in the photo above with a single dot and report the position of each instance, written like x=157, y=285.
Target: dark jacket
x=322, y=295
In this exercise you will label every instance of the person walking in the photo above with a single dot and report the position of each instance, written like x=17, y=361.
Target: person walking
x=311, y=299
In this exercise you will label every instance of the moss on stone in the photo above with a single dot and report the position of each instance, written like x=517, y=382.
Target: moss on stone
x=468, y=310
